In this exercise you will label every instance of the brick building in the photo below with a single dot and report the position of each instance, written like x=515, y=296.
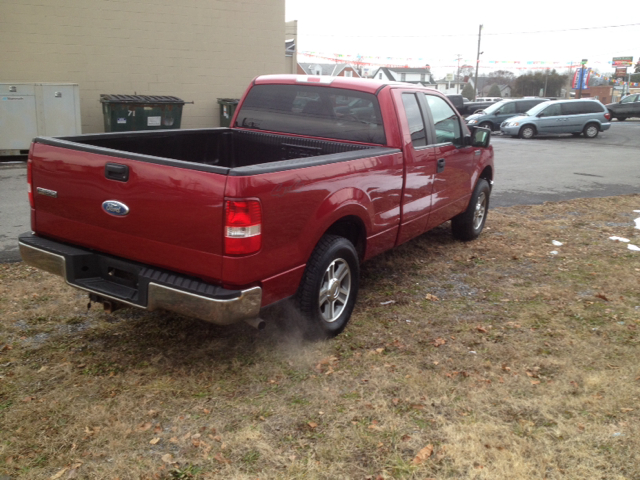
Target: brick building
x=197, y=50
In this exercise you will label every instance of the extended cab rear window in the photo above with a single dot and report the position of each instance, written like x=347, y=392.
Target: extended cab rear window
x=314, y=111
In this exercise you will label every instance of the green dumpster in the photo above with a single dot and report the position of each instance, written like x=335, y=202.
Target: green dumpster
x=124, y=113
x=227, y=109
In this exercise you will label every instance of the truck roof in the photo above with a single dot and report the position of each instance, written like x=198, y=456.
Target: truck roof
x=367, y=85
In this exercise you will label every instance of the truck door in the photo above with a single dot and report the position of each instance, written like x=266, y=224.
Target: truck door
x=452, y=187
x=420, y=158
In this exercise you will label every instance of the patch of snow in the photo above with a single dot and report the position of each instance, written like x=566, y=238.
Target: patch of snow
x=556, y=243
x=620, y=239
x=633, y=247
x=555, y=252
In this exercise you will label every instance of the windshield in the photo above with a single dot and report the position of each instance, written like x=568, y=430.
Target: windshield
x=537, y=109
x=494, y=108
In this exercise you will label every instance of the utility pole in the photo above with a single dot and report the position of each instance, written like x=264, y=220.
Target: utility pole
x=546, y=77
x=475, y=82
x=458, y=74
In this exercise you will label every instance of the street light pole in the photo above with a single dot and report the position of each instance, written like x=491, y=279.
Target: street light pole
x=475, y=82
x=458, y=75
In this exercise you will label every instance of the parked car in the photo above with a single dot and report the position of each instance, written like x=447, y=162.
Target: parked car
x=466, y=107
x=493, y=116
x=286, y=203
x=588, y=117
x=488, y=99
x=628, y=107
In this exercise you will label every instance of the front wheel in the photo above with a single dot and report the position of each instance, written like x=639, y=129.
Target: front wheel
x=469, y=224
x=591, y=130
x=527, y=132
x=329, y=287
x=488, y=125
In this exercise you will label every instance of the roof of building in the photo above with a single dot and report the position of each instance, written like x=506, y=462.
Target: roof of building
x=331, y=69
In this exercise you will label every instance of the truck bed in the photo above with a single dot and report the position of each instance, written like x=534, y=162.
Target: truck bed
x=218, y=150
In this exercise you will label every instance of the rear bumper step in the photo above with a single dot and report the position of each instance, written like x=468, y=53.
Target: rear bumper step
x=139, y=285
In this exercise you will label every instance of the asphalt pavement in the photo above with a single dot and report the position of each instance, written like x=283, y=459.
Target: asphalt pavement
x=528, y=172
x=14, y=208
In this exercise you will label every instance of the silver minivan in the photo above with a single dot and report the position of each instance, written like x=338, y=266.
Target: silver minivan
x=588, y=117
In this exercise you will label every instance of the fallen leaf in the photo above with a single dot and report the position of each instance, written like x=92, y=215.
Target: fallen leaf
x=625, y=410
x=143, y=427
x=220, y=458
x=167, y=458
x=59, y=474
x=431, y=298
x=312, y=424
x=481, y=329
x=379, y=350
x=438, y=342
x=535, y=382
x=423, y=455
x=602, y=296
x=154, y=441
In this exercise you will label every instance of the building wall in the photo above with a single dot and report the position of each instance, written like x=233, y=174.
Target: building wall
x=602, y=93
x=197, y=50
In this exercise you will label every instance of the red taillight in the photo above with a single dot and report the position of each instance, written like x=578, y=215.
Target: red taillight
x=242, y=227
x=607, y=116
x=30, y=176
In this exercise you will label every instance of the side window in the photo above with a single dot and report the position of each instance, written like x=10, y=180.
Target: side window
x=628, y=99
x=414, y=118
x=524, y=106
x=508, y=108
x=551, y=111
x=445, y=120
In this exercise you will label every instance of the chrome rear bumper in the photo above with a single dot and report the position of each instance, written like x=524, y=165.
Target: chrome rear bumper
x=141, y=286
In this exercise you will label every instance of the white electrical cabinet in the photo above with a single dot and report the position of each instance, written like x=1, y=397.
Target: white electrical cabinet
x=28, y=110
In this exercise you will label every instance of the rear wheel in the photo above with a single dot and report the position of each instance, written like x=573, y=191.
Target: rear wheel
x=469, y=224
x=527, y=132
x=591, y=130
x=329, y=287
x=488, y=125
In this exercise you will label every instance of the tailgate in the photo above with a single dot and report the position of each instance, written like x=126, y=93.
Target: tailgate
x=174, y=218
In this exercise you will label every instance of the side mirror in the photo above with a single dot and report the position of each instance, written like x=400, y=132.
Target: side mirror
x=480, y=137
x=540, y=115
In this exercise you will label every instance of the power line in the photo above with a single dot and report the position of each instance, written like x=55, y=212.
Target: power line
x=470, y=34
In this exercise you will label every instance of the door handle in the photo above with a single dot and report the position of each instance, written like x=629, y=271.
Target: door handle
x=116, y=171
x=441, y=163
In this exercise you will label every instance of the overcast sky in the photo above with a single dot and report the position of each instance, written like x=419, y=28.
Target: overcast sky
x=436, y=32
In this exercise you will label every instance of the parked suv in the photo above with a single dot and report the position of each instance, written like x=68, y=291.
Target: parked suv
x=493, y=116
x=628, y=107
x=560, y=116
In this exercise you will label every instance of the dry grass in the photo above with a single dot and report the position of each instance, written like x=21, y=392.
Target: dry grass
x=519, y=364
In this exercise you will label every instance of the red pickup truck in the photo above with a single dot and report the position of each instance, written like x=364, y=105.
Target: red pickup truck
x=315, y=176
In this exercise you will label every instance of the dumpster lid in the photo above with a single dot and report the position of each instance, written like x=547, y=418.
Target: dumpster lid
x=111, y=98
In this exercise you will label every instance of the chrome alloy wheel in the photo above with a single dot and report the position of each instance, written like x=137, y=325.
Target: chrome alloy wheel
x=334, y=290
x=480, y=211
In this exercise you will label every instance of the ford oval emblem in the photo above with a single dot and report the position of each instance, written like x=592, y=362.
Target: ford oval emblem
x=115, y=208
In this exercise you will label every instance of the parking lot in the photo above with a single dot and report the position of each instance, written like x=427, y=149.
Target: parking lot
x=527, y=172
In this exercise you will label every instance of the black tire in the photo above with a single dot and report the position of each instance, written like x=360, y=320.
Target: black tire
x=488, y=125
x=469, y=224
x=591, y=130
x=327, y=317
x=527, y=132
